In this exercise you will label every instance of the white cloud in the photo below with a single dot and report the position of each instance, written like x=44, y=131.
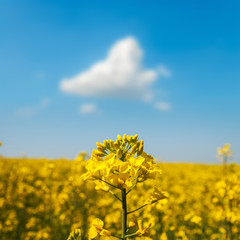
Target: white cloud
x=87, y=108
x=163, y=106
x=121, y=74
x=163, y=71
x=30, y=111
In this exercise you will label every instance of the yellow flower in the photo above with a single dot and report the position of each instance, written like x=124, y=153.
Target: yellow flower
x=132, y=223
x=196, y=219
x=142, y=231
x=164, y=236
x=95, y=167
x=75, y=235
x=119, y=174
x=97, y=229
x=225, y=151
x=156, y=196
x=101, y=186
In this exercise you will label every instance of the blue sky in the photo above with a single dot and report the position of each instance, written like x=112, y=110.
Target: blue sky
x=166, y=70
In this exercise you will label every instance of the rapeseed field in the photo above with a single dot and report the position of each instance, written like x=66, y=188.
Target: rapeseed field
x=119, y=192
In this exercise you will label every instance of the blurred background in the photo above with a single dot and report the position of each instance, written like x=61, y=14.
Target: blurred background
x=73, y=73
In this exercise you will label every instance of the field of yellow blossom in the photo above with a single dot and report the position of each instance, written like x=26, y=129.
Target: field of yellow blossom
x=47, y=199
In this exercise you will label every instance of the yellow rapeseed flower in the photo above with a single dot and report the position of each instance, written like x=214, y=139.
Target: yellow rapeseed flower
x=75, y=235
x=156, y=196
x=225, y=151
x=101, y=186
x=97, y=229
x=142, y=231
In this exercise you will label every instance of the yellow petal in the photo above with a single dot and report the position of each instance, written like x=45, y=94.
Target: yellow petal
x=97, y=223
x=92, y=233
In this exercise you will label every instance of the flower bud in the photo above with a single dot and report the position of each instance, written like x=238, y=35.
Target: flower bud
x=135, y=138
x=99, y=144
x=105, y=143
x=119, y=153
x=111, y=143
x=134, y=149
x=124, y=140
x=117, y=144
x=99, y=153
x=140, y=149
x=119, y=137
x=100, y=147
x=129, y=139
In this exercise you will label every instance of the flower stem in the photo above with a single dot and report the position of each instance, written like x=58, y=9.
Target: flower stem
x=124, y=213
x=108, y=183
x=115, y=195
x=131, y=235
x=138, y=208
x=116, y=236
x=131, y=188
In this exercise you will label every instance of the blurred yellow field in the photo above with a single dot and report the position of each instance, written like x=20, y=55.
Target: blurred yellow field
x=47, y=199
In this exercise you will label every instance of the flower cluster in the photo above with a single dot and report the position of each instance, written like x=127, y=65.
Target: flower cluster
x=121, y=163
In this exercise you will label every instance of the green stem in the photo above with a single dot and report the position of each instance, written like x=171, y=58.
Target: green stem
x=108, y=183
x=131, y=188
x=115, y=195
x=138, y=208
x=124, y=213
x=131, y=235
x=116, y=236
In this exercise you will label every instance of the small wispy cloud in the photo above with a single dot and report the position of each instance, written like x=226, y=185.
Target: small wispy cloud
x=30, y=111
x=120, y=75
x=88, y=108
x=163, y=106
x=40, y=75
x=164, y=71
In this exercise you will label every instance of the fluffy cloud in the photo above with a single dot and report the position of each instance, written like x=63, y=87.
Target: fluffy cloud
x=87, y=108
x=30, y=111
x=163, y=106
x=121, y=74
